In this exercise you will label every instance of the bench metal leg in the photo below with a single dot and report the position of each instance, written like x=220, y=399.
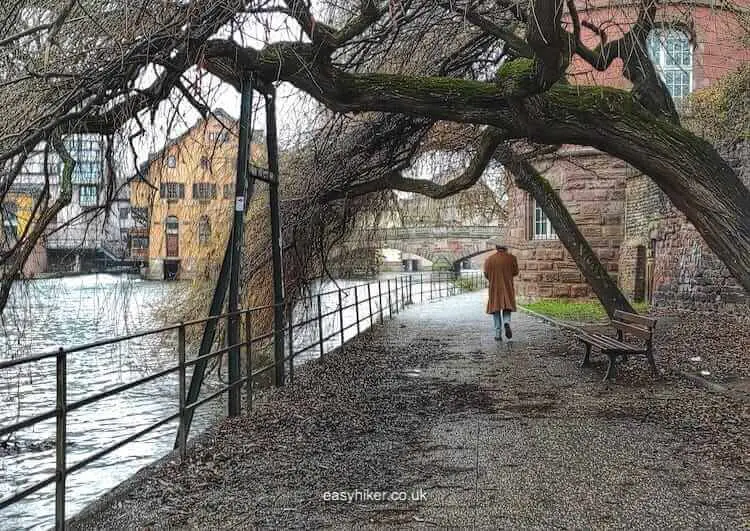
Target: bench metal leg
x=611, y=368
x=586, y=362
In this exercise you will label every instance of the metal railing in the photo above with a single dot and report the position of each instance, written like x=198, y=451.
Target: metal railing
x=383, y=299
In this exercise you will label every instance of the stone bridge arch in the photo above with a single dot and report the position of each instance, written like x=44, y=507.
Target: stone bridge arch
x=444, y=246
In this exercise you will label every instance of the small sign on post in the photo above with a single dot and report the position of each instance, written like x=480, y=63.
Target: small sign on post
x=239, y=203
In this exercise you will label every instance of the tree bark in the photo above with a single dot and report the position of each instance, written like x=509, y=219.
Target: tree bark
x=527, y=178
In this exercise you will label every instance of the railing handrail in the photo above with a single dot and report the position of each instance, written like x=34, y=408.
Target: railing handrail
x=5, y=364
x=399, y=294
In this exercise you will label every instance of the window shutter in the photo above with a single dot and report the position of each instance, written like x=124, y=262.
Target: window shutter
x=195, y=190
x=181, y=188
x=213, y=191
x=163, y=190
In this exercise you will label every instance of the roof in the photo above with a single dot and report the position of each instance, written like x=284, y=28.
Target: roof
x=219, y=113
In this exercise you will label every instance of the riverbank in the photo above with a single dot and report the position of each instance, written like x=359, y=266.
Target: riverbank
x=483, y=434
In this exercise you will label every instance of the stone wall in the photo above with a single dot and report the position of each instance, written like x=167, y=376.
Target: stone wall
x=592, y=186
x=686, y=274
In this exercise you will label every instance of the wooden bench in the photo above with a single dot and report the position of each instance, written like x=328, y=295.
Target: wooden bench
x=624, y=322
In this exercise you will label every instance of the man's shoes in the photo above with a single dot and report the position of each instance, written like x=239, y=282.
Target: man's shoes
x=508, y=332
x=498, y=335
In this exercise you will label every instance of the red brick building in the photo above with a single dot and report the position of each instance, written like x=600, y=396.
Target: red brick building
x=645, y=244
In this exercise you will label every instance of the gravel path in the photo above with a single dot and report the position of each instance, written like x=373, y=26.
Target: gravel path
x=510, y=435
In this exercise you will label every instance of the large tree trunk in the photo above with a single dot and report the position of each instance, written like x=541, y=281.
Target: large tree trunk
x=527, y=178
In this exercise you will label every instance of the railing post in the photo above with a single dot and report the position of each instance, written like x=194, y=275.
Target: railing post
x=395, y=294
x=421, y=288
x=320, y=325
x=291, y=342
x=60, y=437
x=380, y=301
x=182, y=432
x=432, y=273
x=341, y=320
x=369, y=302
x=411, y=301
x=249, y=361
x=390, y=308
x=356, y=307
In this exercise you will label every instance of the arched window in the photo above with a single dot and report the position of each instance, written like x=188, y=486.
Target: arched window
x=204, y=230
x=672, y=54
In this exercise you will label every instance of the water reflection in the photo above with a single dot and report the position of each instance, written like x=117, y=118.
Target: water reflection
x=43, y=314
x=71, y=311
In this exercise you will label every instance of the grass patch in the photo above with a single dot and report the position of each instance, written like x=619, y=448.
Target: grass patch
x=468, y=284
x=582, y=311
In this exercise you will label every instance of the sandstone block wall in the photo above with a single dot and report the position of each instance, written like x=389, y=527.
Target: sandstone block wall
x=592, y=186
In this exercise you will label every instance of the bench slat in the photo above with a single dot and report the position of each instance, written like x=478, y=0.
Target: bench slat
x=633, y=318
x=609, y=343
x=644, y=333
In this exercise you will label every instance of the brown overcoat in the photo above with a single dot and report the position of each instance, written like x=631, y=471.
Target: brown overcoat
x=500, y=268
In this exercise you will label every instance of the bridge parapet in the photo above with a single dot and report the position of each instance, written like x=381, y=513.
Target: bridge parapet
x=406, y=233
x=446, y=244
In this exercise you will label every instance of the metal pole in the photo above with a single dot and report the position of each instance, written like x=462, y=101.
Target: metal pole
x=369, y=302
x=341, y=320
x=411, y=300
x=243, y=159
x=395, y=294
x=421, y=288
x=380, y=301
x=320, y=325
x=182, y=432
x=356, y=307
x=390, y=308
x=249, y=361
x=60, y=438
x=291, y=343
x=276, y=244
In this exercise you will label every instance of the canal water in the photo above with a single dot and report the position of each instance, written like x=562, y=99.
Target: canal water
x=46, y=314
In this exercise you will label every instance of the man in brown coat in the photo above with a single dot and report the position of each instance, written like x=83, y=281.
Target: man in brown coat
x=499, y=269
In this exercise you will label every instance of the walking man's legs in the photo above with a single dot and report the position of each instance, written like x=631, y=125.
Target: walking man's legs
x=498, y=319
x=506, y=320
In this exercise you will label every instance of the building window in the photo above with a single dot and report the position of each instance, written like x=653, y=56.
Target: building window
x=171, y=161
x=204, y=230
x=87, y=153
x=87, y=195
x=205, y=163
x=138, y=243
x=172, y=225
x=172, y=191
x=124, y=213
x=542, y=227
x=672, y=55
x=228, y=191
x=140, y=215
x=204, y=191
x=218, y=136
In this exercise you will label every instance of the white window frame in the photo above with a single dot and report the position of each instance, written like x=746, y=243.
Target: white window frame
x=92, y=200
x=542, y=227
x=658, y=44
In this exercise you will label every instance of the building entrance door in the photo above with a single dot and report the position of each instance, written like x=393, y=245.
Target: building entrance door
x=173, y=237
